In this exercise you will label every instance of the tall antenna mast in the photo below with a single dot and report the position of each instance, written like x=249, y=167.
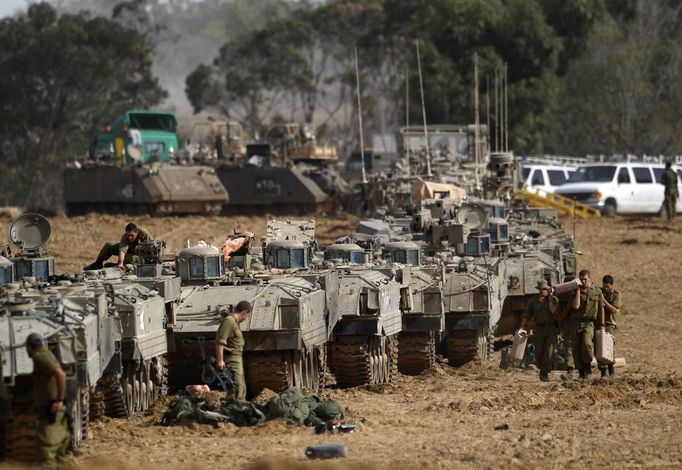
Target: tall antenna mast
x=362, y=138
x=497, y=110
x=407, y=119
x=487, y=105
x=506, y=110
x=426, y=132
x=477, y=152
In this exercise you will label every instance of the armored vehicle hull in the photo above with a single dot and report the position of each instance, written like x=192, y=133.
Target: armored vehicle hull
x=272, y=190
x=364, y=319
x=80, y=328
x=158, y=190
x=284, y=337
x=423, y=323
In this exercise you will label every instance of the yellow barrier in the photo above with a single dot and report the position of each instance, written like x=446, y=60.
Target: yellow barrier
x=563, y=205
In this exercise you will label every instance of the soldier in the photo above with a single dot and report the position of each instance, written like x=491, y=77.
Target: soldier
x=49, y=382
x=612, y=304
x=669, y=180
x=567, y=324
x=125, y=249
x=589, y=311
x=230, y=344
x=542, y=309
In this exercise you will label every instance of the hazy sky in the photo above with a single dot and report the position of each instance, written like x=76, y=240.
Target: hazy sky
x=8, y=7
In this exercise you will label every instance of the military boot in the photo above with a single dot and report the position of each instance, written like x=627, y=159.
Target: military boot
x=612, y=371
x=568, y=376
x=98, y=264
x=588, y=372
x=603, y=372
x=544, y=375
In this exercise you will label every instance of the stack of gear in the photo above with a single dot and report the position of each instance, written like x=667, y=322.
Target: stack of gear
x=292, y=405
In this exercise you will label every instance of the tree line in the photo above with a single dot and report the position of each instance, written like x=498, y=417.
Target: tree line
x=583, y=77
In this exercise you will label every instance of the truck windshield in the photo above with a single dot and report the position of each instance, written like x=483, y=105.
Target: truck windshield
x=596, y=174
x=156, y=122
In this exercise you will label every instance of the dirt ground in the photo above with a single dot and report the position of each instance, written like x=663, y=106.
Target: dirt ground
x=447, y=417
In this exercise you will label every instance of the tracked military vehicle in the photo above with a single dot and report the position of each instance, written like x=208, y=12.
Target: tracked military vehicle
x=81, y=328
x=423, y=311
x=132, y=168
x=146, y=303
x=288, y=172
x=284, y=336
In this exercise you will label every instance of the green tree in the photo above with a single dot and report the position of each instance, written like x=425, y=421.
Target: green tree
x=623, y=94
x=63, y=78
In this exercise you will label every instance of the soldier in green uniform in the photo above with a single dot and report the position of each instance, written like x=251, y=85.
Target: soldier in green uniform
x=669, y=180
x=49, y=382
x=589, y=312
x=567, y=324
x=230, y=344
x=542, y=309
x=124, y=249
x=612, y=304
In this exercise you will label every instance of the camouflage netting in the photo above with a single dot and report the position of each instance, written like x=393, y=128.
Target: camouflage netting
x=293, y=406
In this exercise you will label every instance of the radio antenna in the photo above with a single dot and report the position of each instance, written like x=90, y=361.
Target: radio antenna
x=362, y=139
x=426, y=132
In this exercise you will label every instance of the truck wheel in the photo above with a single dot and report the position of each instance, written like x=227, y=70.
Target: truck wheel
x=609, y=208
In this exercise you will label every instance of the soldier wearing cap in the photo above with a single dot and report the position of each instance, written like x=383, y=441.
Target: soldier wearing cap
x=124, y=249
x=542, y=309
x=230, y=344
x=590, y=311
x=49, y=382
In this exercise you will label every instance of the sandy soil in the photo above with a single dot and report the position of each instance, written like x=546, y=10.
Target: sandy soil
x=446, y=418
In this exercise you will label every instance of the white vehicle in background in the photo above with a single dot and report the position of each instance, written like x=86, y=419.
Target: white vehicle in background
x=620, y=188
x=546, y=177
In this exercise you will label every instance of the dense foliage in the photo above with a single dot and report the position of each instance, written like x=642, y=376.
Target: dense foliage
x=63, y=77
x=598, y=76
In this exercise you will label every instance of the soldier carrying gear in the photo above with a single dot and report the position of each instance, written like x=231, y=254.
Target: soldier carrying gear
x=669, y=180
x=612, y=305
x=589, y=311
x=230, y=344
x=542, y=309
x=125, y=249
x=49, y=382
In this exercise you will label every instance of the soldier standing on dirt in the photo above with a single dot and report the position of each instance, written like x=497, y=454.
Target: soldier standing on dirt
x=125, y=249
x=230, y=344
x=542, y=309
x=589, y=312
x=669, y=180
x=49, y=383
x=568, y=325
x=612, y=304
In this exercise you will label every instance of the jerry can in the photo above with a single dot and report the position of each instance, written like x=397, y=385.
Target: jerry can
x=604, y=347
x=519, y=346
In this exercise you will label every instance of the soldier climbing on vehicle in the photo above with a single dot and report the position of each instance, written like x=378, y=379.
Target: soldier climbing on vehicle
x=49, y=382
x=125, y=249
x=230, y=344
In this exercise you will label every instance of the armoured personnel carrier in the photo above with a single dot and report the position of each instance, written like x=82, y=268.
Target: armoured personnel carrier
x=284, y=336
x=423, y=311
x=289, y=172
x=145, y=302
x=132, y=168
x=82, y=329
